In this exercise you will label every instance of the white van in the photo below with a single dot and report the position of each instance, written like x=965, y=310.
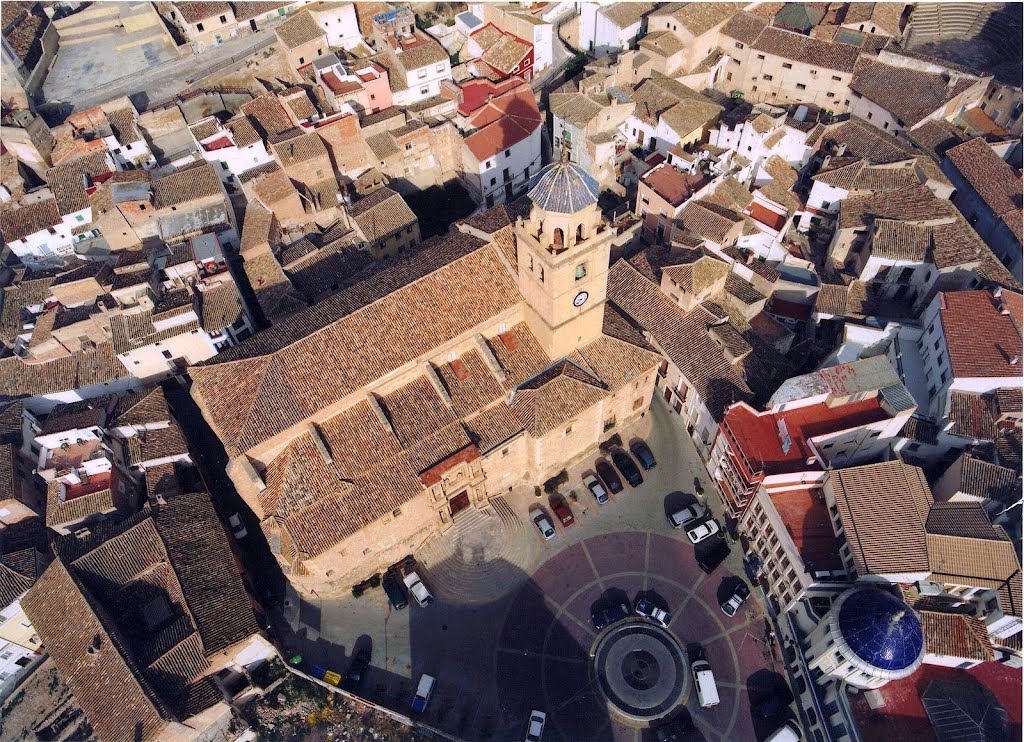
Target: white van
x=704, y=679
x=789, y=732
x=423, y=691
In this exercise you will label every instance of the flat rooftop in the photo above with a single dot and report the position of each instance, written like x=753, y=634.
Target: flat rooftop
x=806, y=517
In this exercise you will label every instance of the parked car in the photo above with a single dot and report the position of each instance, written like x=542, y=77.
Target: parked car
x=704, y=680
x=562, y=511
x=643, y=454
x=739, y=595
x=770, y=706
x=417, y=589
x=702, y=530
x=688, y=514
x=544, y=525
x=237, y=527
x=647, y=609
x=596, y=489
x=709, y=560
x=394, y=592
x=423, y=691
x=609, y=615
x=626, y=466
x=608, y=475
x=357, y=670
x=535, y=730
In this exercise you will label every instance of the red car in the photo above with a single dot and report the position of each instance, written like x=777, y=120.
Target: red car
x=562, y=511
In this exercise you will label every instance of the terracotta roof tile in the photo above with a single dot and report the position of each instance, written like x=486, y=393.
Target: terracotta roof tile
x=956, y=635
x=909, y=94
x=29, y=219
x=982, y=341
x=300, y=29
x=186, y=185
x=381, y=213
x=884, y=539
x=992, y=179
x=194, y=12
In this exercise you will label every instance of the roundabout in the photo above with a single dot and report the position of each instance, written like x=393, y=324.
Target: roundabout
x=641, y=671
x=633, y=675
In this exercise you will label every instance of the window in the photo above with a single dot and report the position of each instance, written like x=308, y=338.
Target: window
x=439, y=68
x=825, y=204
x=830, y=95
x=408, y=147
x=508, y=153
x=504, y=452
x=167, y=354
x=754, y=88
x=739, y=45
x=931, y=391
x=116, y=150
x=424, y=91
x=814, y=72
x=199, y=27
x=568, y=431
x=581, y=271
x=760, y=56
x=396, y=512
x=542, y=274
x=79, y=218
x=493, y=181
x=837, y=78
x=938, y=343
x=223, y=19
x=223, y=165
x=869, y=115
x=801, y=86
x=768, y=77
x=787, y=66
x=638, y=403
x=421, y=74
x=728, y=76
x=645, y=200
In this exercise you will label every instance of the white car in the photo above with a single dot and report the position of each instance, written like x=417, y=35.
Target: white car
x=536, y=729
x=544, y=525
x=237, y=527
x=688, y=514
x=418, y=590
x=704, y=529
x=596, y=489
x=647, y=609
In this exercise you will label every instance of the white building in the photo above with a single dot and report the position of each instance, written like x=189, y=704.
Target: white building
x=608, y=28
x=38, y=234
x=234, y=148
x=504, y=149
x=416, y=71
x=339, y=22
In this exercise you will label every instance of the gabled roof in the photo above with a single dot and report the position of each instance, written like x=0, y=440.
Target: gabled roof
x=909, y=94
x=884, y=538
x=982, y=341
x=992, y=179
x=196, y=12
x=360, y=333
x=300, y=29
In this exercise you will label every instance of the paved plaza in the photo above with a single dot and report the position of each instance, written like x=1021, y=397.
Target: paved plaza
x=510, y=630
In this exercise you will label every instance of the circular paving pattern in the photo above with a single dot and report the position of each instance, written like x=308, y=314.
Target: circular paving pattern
x=641, y=671
x=543, y=658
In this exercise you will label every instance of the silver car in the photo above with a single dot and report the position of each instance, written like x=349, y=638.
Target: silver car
x=596, y=489
x=544, y=525
x=688, y=514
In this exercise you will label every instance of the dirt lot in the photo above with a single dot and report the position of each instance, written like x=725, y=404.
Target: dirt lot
x=268, y=64
x=43, y=709
x=297, y=710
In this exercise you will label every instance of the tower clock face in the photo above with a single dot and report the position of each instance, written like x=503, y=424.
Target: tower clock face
x=581, y=299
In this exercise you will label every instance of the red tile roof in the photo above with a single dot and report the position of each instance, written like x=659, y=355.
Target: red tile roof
x=902, y=718
x=671, y=183
x=766, y=216
x=755, y=435
x=982, y=341
x=807, y=520
x=502, y=122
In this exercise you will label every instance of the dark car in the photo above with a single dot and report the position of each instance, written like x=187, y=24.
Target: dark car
x=609, y=615
x=394, y=592
x=770, y=706
x=357, y=670
x=608, y=475
x=643, y=455
x=709, y=560
x=624, y=463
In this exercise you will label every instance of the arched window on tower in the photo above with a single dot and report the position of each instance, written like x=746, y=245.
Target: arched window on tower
x=579, y=233
x=559, y=238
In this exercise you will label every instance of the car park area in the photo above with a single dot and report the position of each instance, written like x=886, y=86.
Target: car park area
x=498, y=657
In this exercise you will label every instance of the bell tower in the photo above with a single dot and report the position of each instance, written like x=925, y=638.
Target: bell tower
x=562, y=251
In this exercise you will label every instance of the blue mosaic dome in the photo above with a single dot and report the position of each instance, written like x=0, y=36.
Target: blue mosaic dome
x=563, y=187
x=881, y=629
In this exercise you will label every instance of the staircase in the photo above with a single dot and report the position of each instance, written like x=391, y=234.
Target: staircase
x=485, y=555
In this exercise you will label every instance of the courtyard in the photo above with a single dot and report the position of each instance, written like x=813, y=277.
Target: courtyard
x=510, y=628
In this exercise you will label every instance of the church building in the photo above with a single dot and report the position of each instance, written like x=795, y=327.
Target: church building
x=490, y=358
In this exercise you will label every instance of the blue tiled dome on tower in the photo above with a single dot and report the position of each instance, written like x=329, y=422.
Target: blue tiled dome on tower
x=563, y=187
x=881, y=629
